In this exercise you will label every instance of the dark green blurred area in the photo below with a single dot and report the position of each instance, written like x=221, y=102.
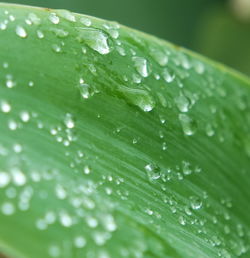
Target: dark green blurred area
x=205, y=26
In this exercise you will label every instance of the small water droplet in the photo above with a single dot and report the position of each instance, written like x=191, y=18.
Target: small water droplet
x=67, y=15
x=54, y=18
x=8, y=208
x=21, y=32
x=5, y=106
x=68, y=121
x=85, y=21
x=4, y=179
x=40, y=34
x=153, y=171
x=167, y=76
x=66, y=219
x=141, y=65
x=79, y=242
x=195, y=203
x=25, y=116
x=182, y=103
x=34, y=19
x=189, y=126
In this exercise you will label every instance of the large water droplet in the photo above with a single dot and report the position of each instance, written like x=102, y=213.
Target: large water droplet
x=95, y=39
x=139, y=97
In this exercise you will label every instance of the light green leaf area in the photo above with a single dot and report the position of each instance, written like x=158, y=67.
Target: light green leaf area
x=114, y=143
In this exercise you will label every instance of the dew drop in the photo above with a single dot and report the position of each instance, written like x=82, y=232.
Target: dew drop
x=153, y=171
x=167, y=76
x=25, y=116
x=189, y=126
x=66, y=219
x=79, y=242
x=138, y=97
x=85, y=21
x=68, y=121
x=39, y=34
x=5, y=107
x=8, y=208
x=141, y=65
x=95, y=39
x=182, y=103
x=4, y=179
x=21, y=32
x=54, y=18
x=18, y=176
x=195, y=203
x=34, y=18
x=67, y=15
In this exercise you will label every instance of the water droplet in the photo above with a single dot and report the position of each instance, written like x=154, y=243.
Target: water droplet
x=95, y=39
x=40, y=34
x=160, y=57
x=34, y=18
x=21, y=32
x=92, y=222
x=8, y=208
x=189, y=126
x=141, y=65
x=164, y=146
x=85, y=21
x=209, y=130
x=79, y=242
x=86, y=170
x=54, y=251
x=5, y=107
x=25, y=116
x=153, y=171
x=12, y=125
x=66, y=219
x=4, y=179
x=138, y=97
x=182, y=220
x=68, y=121
x=54, y=18
x=67, y=15
x=167, y=76
x=60, y=192
x=18, y=176
x=195, y=203
x=60, y=33
x=56, y=48
x=31, y=84
x=182, y=103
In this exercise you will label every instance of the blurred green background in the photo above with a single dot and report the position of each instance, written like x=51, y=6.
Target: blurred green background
x=219, y=29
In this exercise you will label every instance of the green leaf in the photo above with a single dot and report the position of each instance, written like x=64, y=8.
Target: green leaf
x=115, y=143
